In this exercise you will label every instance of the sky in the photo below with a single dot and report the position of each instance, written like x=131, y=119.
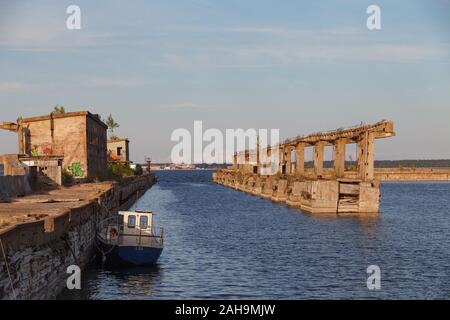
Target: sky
x=297, y=66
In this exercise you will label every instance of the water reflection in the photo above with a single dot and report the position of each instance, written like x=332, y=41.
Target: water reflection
x=119, y=282
x=225, y=244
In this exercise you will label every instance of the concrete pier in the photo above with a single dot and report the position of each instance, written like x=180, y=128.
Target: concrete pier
x=317, y=189
x=41, y=235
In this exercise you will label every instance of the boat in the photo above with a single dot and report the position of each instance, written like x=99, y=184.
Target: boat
x=130, y=239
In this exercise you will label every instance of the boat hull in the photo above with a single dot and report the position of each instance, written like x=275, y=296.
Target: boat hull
x=129, y=255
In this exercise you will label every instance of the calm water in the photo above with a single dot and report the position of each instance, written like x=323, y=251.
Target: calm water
x=225, y=244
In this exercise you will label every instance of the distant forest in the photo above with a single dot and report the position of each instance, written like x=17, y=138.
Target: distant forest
x=443, y=163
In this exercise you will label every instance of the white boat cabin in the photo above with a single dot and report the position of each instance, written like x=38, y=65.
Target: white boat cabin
x=134, y=228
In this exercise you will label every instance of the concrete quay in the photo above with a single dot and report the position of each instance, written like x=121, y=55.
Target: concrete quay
x=312, y=196
x=41, y=235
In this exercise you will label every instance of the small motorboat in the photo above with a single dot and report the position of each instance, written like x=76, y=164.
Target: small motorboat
x=130, y=239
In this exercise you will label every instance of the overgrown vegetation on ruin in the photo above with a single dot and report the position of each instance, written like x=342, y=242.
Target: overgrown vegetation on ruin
x=118, y=171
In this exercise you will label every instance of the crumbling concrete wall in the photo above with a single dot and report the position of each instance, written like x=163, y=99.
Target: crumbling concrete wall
x=13, y=186
x=38, y=253
x=12, y=165
x=313, y=196
x=78, y=136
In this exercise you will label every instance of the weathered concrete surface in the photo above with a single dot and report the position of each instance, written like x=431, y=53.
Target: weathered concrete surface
x=13, y=186
x=413, y=174
x=80, y=137
x=47, y=233
x=119, y=149
x=314, y=196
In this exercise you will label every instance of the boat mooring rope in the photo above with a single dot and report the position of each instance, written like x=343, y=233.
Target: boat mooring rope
x=7, y=269
x=104, y=253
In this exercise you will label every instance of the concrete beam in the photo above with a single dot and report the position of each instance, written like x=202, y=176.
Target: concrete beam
x=9, y=126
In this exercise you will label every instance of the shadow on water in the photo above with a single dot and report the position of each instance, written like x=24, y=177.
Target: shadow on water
x=120, y=282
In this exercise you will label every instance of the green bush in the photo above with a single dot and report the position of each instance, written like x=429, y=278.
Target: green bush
x=67, y=178
x=117, y=171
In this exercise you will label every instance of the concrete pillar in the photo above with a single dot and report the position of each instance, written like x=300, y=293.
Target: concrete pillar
x=366, y=157
x=360, y=153
x=287, y=158
x=280, y=158
x=300, y=159
x=247, y=161
x=339, y=157
x=258, y=157
x=235, y=161
x=21, y=140
x=269, y=161
x=319, y=148
x=370, y=159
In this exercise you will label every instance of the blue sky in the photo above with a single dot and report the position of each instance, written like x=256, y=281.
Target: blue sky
x=294, y=65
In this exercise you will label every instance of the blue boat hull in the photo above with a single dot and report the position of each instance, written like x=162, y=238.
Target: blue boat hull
x=130, y=255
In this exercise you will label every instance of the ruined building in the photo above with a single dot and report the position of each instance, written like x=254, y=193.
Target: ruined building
x=77, y=141
x=279, y=173
x=119, y=150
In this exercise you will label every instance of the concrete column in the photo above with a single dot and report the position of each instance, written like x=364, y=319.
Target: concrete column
x=269, y=161
x=21, y=140
x=339, y=157
x=247, y=161
x=370, y=158
x=360, y=153
x=258, y=157
x=319, y=148
x=288, y=157
x=280, y=158
x=235, y=161
x=366, y=157
x=300, y=159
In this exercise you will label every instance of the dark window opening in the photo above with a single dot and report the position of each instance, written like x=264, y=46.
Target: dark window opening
x=131, y=222
x=143, y=223
x=119, y=151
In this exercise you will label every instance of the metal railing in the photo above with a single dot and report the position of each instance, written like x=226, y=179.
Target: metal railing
x=142, y=237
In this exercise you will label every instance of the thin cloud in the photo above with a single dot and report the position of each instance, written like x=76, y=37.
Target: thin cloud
x=184, y=105
x=114, y=82
x=13, y=88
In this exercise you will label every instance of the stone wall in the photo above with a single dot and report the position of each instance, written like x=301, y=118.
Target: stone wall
x=38, y=253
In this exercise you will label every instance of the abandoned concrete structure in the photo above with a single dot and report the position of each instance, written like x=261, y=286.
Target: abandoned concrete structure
x=79, y=138
x=13, y=178
x=119, y=149
x=318, y=189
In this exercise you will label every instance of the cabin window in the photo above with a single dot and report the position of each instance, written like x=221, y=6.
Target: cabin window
x=131, y=222
x=143, y=223
x=119, y=151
